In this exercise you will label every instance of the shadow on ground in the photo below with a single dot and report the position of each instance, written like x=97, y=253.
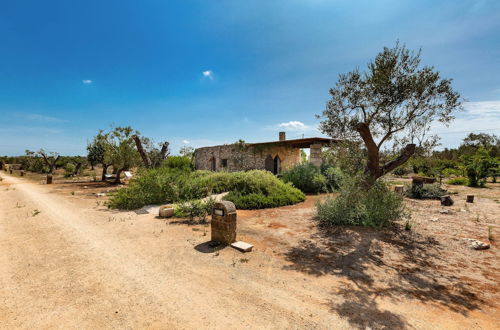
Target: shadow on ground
x=390, y=263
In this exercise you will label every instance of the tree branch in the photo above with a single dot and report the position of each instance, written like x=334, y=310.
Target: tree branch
x=406, y=153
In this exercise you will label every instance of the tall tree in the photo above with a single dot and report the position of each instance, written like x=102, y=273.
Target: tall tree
x=395, y=97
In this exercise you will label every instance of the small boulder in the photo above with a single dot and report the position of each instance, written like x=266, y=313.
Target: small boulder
x=166, y=211
x=477, y=245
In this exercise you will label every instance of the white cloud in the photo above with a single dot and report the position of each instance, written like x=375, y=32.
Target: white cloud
x=482, y=116
x=295, y=125
x=185, y=141
x=87, y=81
x=208, y=74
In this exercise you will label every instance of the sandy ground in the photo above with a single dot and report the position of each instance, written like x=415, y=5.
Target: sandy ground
x=68, y=262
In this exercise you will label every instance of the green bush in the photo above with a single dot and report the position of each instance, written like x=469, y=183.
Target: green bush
x=69, y=170
x=261, y=189
x=402, y=170
x=425, y=191
x=179, y=162
x=194, y=208
x=174, y=185
x=313, y=180
x=376, y=207
x=460, y=181
x=306, y=177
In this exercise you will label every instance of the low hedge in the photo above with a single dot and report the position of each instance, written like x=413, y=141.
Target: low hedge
x=248, y=190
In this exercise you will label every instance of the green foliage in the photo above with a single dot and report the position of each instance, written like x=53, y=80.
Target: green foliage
x=187, y=151
x=69, y=170
x=194, y=208
x=460, y=181
x=311, y=179
x=306, y=177
x=179, y=162
x=402, y=170
x=174, y=185
x=425, y=191
x=480, y=166
x=96, y=149
x=375, y=207
x=261, y=189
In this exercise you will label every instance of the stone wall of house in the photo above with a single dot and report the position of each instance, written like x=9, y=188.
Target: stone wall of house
x=245, y=157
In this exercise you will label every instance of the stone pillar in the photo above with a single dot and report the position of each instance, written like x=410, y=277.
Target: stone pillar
x=223, y=226
x=315, y=154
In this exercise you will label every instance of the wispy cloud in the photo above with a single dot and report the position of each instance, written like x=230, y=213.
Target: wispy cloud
x=295, y=125
x=87, y=81
x=209, y=74
x=481, y=116
x=185, y=141
x=40, y=118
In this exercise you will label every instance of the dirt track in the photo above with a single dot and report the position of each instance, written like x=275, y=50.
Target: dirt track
x=76, y=264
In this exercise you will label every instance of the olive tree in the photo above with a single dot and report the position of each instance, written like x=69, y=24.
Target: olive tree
x=120, y=150
x=96, y=153
x=395, y=99
x=50, y=159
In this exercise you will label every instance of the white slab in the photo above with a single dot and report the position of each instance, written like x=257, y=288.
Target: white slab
x=127, y=174
x=242, y=246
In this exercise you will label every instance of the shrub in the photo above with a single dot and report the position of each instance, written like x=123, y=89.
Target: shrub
x=261, y=189
x=425, y=191
x=194, y=208
x=479, y=166
x=311, y=179
x=306, y=177
x=69, y=170
x=376, y=207
x=334, y=177
x=179, y=162
x=402, y=170
x=173, y=185
x=458, y=181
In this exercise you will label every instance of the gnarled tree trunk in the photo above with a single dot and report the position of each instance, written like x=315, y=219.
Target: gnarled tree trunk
x=142, y=152
x=373, y=169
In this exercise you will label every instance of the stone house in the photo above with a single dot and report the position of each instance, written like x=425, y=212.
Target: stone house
x=274, y=156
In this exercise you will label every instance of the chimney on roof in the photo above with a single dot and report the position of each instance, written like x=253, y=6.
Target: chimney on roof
x=282, y=136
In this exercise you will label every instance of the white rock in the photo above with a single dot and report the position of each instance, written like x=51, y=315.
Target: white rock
x=242, y=246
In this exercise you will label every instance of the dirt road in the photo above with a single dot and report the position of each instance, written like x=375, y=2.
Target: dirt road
x=71, y=268
x=71, y=263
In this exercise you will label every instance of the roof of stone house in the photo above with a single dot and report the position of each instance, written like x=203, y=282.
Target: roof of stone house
x=295, y=143
x=298, y=143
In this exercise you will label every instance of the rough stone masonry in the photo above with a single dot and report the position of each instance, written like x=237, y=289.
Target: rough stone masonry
x=274, y=156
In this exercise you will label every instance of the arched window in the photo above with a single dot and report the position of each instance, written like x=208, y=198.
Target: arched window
x=213, y=164
x=269, y=164
x=277, y=165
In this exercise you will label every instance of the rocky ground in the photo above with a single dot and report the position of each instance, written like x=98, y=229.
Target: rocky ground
x=69, y=262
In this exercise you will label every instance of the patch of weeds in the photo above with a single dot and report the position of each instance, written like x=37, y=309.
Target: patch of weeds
x=408, y=225
x=490, y=234
x=244, y=260
x=73, y=193
x=35, y=212
x=18, y=206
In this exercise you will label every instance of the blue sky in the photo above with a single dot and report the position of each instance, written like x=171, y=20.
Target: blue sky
x=210, y=72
